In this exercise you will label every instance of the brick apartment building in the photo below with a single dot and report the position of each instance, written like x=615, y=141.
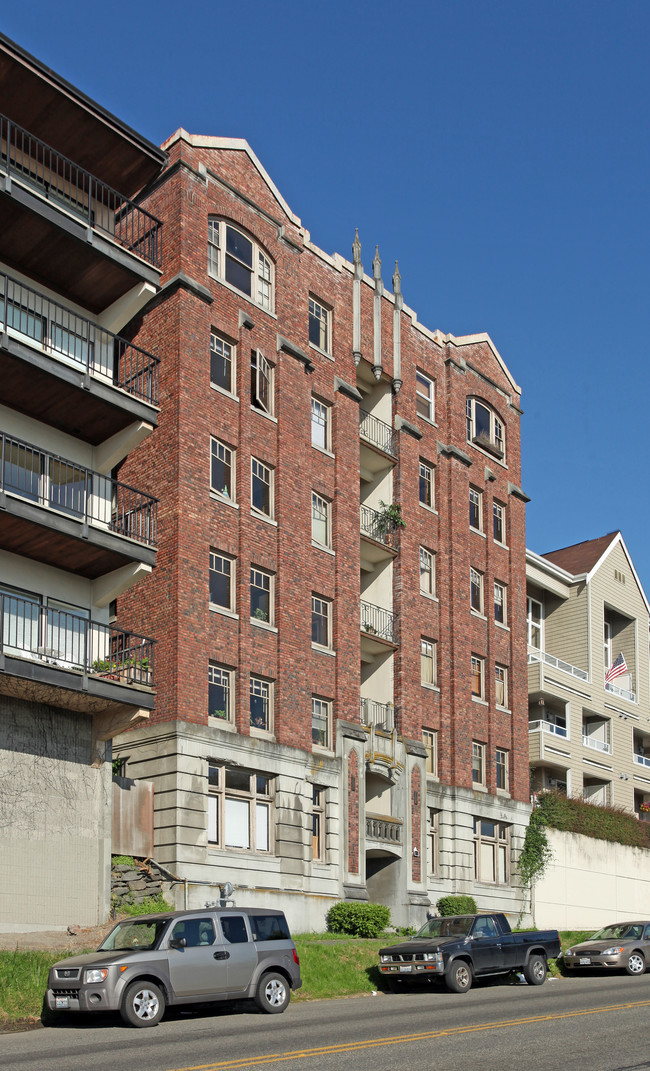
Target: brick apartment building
x=339, y=601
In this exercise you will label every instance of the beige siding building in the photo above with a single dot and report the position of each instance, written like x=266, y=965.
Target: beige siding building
x=589, y=735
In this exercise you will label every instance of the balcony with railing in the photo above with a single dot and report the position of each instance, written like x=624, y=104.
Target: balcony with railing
x=51, y=353
x=536, y=656
x=70, y=652
x=596, y=744
x=376, y=436
x=377, y=624
x=379, y=535
x=622, y=693
x=379, y=715
x=542, y=726
x=387, y=830
x=67, y=515
x=47, y=195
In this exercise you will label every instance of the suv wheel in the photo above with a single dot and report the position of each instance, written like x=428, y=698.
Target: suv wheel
x=143, y=1004
x=459, y=976
x=273, y=993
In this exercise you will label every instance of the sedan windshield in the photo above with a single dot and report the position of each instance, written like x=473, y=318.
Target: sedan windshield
x=632, y=930
x=134, y=933
x=447, y=927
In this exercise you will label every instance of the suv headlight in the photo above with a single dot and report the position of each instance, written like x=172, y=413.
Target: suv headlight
x=385, y=959
x=612, y=951
x=433, y=957
x=95, y=974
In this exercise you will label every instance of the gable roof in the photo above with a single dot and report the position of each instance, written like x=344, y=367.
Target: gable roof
x=581, y=557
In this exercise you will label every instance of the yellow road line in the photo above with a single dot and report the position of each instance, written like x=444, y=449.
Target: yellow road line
x=356, y=1046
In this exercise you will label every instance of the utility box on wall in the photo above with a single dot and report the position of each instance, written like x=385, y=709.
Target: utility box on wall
x=132, y=818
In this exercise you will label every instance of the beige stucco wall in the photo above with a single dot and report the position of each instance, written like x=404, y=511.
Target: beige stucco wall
x=591, y=883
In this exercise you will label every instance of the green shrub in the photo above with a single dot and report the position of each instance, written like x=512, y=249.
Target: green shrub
x=574, y=815
x=152, y=905
x=457, y=905
x=122, y=860
x=358, y=920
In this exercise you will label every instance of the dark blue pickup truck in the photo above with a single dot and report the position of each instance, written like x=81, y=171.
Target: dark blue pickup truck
x=460, y=948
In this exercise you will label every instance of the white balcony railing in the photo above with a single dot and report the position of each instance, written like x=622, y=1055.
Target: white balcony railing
x=547, y=727
x=596, y=744
x=642, y=760
x=622, y=692
x=550, y=660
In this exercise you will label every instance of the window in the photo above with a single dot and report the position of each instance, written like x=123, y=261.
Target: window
x=262, y=602
x=484, y=427
x=220, y=692
x=501, y=686
x=427, y=572
x=194, y=931
x=240, y=262
x=475, y=509
x=430, y=741
x=222, y=469
x=478, y=677
x=239, y=808
x=261, y=704
x=476, y=590
x=607, y=644
x=320, y=424
x=502, y=769
x=499, y=522
x=500, y=603
x=321, y=720
x=534, y=619
x=319, y=325
x=491, y=851
x=222, y=363
x=318, y=824
x=433, y=839
x=478, y=763
x=261, y=487
x=321, y=621
x=261, y=383
x=222, y=580
x=428, y=667
x=424, y=396
x=321, y=520
x=427, y=486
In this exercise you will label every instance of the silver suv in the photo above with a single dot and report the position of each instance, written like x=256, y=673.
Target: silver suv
x=182, y=957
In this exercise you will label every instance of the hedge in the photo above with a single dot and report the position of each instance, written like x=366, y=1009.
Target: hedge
x=358, y=920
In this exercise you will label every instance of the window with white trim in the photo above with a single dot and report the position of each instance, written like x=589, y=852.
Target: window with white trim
x=499, y=522
x=478, y=763
x=240, y=806
x=321, y=621
x=262, y=595
x=476, y=590
x=220, y=692
x=485, y=427
x=427, y=572
x=222, y=469
x=433, y=835
x=237, y=259
x=261, y=703
x=424, y=396
x=321, y=520
x=428, y=667
x=262, y=497
x=222, y=363
x=478, y=677
x=502, y=770
x=321, y=721
x=427, y=484
x=222, y=580
x=607, y=644
x=501, y=686
x=320, y=320
x=475, y=509
x=430, y=741
x=320, y=424
x=491, y=851
x=500, y=603
x=318, y=824
x=534, y=622
x=262, y=380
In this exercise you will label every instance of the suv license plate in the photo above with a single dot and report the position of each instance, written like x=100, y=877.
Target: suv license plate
x=62, y=1002
x=406, y=967
x=585, y=961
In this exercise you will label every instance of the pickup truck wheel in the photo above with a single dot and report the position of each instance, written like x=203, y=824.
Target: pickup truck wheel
x=459, y=976
x=635, y=963
x=535, y=970
x=273, y=993
x=143, y=1004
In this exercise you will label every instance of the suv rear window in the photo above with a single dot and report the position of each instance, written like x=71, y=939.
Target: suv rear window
x=269, y=928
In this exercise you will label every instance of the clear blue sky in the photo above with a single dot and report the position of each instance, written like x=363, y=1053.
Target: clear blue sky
x=499, y=150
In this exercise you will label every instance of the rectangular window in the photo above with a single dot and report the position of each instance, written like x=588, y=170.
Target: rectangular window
x=321, y=621
x=501, y=686
x=222, y=580
x=434, y=817
x=320, y=424
x=321, y=719
x=220, y=692
x=261, y=704
x=318, y=824
x=319, y=325
x=261, y=487
x=500, y=603
x=213, y=247
x=321, y=520
x=424, y=396
x=430, y=741
x=499, y=522
x=534, y=619
x=427, y=572
x=475, y=509
x=239, y=808
x=607, y=644
x=478, y=763
x=476, y=590
x=222, y=363
x=261, y=383
x=502, y=776
x=427, y=486
x=222, y=469
x=428, y=668
x=491, y=851
x=478, y=677
x=262, y=601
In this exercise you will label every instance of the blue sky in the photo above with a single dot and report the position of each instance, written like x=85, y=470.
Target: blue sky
x=499, y=150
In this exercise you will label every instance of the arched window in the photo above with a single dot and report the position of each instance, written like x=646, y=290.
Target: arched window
x=240, y=262
x=485, y=428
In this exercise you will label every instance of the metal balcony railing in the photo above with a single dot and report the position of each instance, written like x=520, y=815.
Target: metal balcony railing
x=381, y=715
x=378, y=526
x=621, y=692
x=387, y=829
x=550, y=660
x=378, y=433
x=547, y=727
x=55, y=637
x=596, y=744
x=58, y=330
x=65, y=487
x=33, y=162
x=642, y=760
x=376, y=621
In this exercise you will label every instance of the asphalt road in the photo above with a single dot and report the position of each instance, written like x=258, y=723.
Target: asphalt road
x=594, y=1022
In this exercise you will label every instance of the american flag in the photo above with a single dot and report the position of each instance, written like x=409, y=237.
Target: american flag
x=617, y=668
